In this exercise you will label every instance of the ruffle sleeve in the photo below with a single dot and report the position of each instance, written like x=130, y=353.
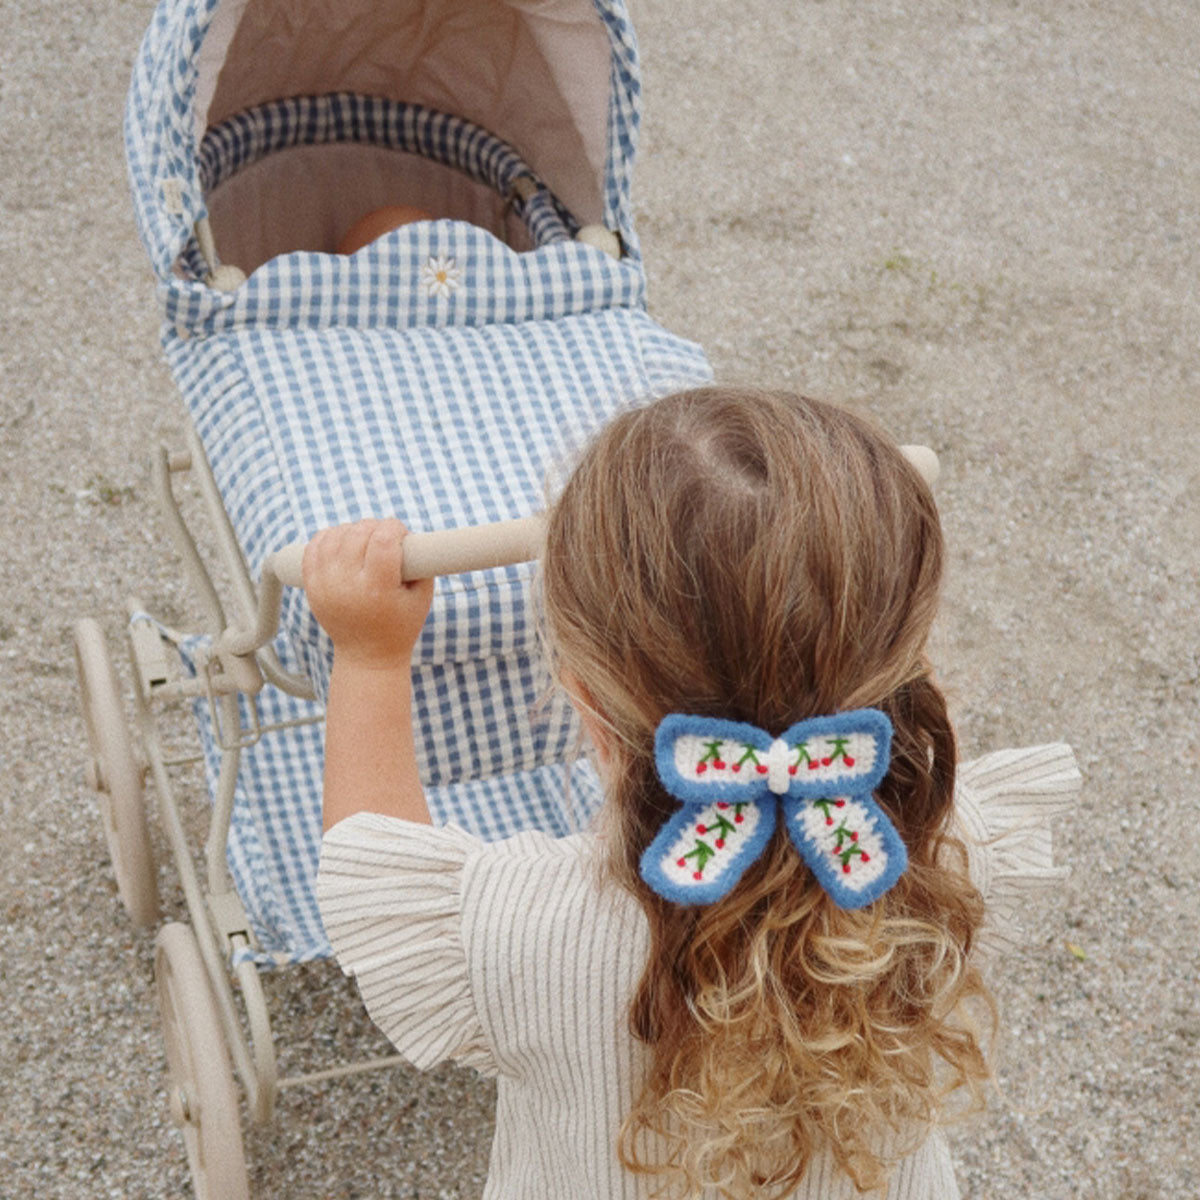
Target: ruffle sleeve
x=1008, y=806
x=390, y=896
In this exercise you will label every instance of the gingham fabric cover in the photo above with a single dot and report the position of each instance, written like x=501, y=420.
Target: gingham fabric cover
x=333, y=388
x=327, y=388
x=161, y=146
x=444, y=426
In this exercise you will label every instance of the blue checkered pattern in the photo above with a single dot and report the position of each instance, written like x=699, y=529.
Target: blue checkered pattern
x=160, y=137
x=325, y=393
x=308, y=428
x=328, y=388
x=382, y=287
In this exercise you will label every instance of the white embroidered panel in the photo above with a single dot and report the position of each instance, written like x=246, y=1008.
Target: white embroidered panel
x=840, y=758
x=842, y=829
x=704, y=850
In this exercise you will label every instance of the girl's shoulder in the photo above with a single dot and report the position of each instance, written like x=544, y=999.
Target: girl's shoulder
x=421, y=842
x=533, y=845
x=544, y=872
x=531, y=868
x=1010, y=807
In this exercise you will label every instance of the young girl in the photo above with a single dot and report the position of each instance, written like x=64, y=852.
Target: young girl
x=755, y=977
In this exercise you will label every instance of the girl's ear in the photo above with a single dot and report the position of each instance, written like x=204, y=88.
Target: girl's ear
x=593, y=724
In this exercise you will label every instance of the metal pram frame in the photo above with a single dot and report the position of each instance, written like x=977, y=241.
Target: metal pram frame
x=207, y=1042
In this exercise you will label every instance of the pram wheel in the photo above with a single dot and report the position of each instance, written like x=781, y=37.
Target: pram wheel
x=203, y=1099
x=115, y=774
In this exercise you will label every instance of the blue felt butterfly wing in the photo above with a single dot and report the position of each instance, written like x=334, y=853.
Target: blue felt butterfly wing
x=847, y=753
x=848, y=843
x=702, y=759
x=703, y=850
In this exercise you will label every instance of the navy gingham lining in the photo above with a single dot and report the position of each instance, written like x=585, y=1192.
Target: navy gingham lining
x=343, y=118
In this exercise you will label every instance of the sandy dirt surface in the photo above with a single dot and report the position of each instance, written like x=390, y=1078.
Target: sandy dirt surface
x=978, y=223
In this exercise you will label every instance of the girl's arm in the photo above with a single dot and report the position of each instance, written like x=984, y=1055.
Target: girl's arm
x=352, y=575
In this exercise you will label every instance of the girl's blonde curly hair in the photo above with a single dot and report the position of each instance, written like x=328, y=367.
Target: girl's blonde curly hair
x=763, y=557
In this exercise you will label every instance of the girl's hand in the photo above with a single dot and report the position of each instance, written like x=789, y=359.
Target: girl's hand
x=352, y=575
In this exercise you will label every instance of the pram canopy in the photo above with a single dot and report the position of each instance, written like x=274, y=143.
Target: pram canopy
x=556, y=79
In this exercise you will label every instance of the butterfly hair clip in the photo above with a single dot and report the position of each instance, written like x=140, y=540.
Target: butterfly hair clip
x=734, y=779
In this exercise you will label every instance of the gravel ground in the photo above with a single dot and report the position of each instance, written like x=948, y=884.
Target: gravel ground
x=978, y=223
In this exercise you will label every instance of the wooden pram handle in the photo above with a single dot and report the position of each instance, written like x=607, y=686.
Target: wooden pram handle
x=925, y=459
x=500, y=544
x=445, y=552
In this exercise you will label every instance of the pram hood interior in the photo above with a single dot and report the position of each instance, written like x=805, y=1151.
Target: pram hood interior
x=558, y=79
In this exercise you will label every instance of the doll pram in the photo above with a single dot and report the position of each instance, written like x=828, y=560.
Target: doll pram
x=438, y=373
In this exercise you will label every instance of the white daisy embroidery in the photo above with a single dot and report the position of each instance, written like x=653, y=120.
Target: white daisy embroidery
x=441, y=275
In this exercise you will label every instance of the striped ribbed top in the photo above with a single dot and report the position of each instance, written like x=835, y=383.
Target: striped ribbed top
x=513, y=958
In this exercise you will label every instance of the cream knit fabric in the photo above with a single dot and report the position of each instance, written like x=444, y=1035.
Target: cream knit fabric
x=511, y=958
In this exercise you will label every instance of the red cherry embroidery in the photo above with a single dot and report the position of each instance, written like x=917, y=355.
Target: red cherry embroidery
x=736, y=767
x=825, y=762
x=701, y=828
x=738, y=819
x=840, y=803
x=762, y=770
x=696, y=874
x=682, y=862
x=854, y=837
x=813, y=764
x=791, y=770
x=866, y=857
x=701, y=768
x=849, y=760
x=719, y=764
x=720, y=843
x=722, y=803
x=845, y=868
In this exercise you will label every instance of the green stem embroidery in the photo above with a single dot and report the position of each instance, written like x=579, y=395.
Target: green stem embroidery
x=718, y=829
x=827, y=803
x=750, y=755
x=838, y=751
x=701, y=852
x=712, y=754
x=847, y=847
x=844, y=835
x=803, y=756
